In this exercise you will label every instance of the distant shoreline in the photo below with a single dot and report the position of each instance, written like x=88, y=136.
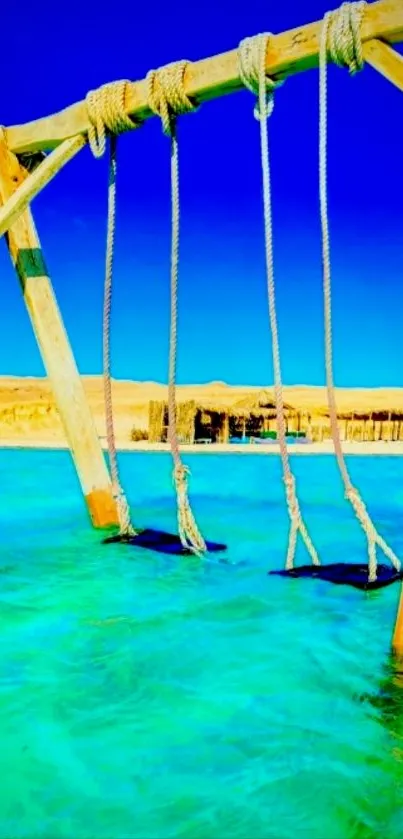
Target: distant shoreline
x=354, y=448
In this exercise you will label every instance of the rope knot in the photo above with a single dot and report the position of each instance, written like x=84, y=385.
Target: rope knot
x=106, y=112
x=180, y=476
x=291, y=496
x=252, y=71
x=363, y=517
x=343, y=35
x=352, y=495
x=166, y=94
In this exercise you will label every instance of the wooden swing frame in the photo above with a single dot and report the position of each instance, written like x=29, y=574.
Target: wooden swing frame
x=33, y=153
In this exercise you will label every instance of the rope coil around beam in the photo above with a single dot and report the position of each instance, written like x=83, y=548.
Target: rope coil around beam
x=106, y=113
x=251, y=55
x=341, y=32
x=167, y=99
x=166, y=94
x=252, y=70
x=341, y=42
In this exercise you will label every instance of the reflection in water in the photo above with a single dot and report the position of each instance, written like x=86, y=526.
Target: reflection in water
x=389, y=700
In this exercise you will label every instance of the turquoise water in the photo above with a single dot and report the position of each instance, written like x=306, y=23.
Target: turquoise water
x=142, y=696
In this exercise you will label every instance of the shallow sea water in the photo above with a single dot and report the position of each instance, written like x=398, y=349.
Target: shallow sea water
x=148, y=697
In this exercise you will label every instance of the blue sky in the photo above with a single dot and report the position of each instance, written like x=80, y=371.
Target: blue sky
x=224, y=330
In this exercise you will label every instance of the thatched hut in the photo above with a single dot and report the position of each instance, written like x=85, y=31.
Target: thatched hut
x=216, y=421
x=158, y=421
x=362, y=416
x=255, y=414
x=362, y=425
x=196, y=422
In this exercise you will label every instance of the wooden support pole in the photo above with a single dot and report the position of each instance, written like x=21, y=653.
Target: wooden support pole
x=225, y=437
x=26, y=254
x=33, y=183
x=397, y=641
x=289, y=53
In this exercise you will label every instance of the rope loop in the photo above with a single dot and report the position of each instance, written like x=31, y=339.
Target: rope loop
x=252, y=71
x=166, y=94
x=167, y=99
x=106, y=112
x=252, y=68
x=343, y=36
x=340, y=42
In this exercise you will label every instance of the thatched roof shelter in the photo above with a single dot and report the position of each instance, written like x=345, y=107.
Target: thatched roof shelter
x=258, y=403
x=360, y=402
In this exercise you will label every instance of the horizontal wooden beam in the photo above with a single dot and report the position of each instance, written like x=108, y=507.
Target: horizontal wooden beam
x=385, y=60
x=289, y=52
x=34, y=182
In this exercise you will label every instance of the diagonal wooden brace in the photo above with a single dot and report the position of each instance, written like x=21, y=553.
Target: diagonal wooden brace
x=386, y=60
x=26, y=254
x=32, y=184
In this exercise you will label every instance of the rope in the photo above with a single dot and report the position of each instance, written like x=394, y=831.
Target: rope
x=167, y=99
x=341, y=42
x=252, y=71
x=106, y=112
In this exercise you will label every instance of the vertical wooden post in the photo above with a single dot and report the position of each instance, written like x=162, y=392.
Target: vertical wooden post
x=397, y=642
x=155, y=421
x=26, y=254
x=226, y=427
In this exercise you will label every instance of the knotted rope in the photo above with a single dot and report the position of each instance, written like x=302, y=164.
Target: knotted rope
x=341, y=42
x=252, y=71
x=106, y=112
x=167, y=99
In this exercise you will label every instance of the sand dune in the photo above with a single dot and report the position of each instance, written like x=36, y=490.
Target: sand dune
x=28, y=410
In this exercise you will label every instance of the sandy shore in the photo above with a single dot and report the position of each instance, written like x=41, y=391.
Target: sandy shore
x=378, y=448
x=29, y=416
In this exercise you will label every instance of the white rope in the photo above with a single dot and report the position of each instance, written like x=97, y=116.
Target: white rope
x=341, y=42
x=252, y=70
x=106, y=112
x=167, y=99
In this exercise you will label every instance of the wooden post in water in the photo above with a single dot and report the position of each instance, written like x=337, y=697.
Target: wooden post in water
x=26, y=254
x=397, y=642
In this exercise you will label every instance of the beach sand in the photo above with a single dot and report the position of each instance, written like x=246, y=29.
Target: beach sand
x=29, y=417
x=377, y=448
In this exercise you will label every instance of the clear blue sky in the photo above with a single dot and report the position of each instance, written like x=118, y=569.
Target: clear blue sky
x=54, y=53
